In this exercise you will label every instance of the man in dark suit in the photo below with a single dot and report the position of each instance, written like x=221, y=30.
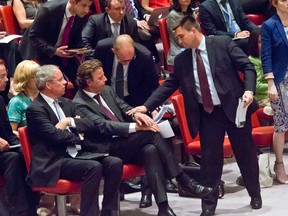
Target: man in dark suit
x=21, y=201
x=226, y=17
x=57, y=141
x=101, y=26
x=133, y=143
x=211, y=105
x=140, y=79
x=48, y=38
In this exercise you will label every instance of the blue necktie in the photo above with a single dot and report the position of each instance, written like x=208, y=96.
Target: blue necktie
x=229, y=23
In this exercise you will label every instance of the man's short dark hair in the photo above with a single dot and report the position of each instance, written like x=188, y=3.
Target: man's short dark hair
x=85, y=71
x=187, y=22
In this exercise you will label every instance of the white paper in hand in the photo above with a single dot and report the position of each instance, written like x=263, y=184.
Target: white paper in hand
x=240, y=114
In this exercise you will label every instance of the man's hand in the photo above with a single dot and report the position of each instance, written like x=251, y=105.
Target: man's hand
x=248, y=98
x=143, y=119
x=154, y=127
x=243, y=34
x=141, y=109
x=61, y=52
x=272, y=90
x=142, y=24
x=63, y=123
x=2, y=34
x=4, y=145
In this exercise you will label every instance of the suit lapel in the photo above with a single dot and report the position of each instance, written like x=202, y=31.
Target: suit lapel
x=218, y=14
x=107, y=25
x=53, y=116
x=211, y=55
x=110, y=103
x=90, y=102
x=280, y=28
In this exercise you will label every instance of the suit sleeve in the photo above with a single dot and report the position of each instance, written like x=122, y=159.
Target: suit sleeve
x=208, y=23
x=40, y=127
x=88, y=35
x=266, y=48
x=38, y=31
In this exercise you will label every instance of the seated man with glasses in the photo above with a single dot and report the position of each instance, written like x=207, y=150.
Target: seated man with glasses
x=129, y=68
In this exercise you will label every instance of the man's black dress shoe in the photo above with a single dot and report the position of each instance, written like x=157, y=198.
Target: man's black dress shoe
x=171, y=187
x=196, y=189
x=166, y=212
x=207, y=212
x=256, y=203
x=146, y=201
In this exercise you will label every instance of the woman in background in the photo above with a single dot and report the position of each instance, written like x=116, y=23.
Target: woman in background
x=178, y=10
x=25, y=12
x=149, y=5
x=24, y=85
x=274, y=52
x=254, y=53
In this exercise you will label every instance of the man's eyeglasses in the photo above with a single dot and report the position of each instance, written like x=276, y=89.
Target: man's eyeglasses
x=124, y=62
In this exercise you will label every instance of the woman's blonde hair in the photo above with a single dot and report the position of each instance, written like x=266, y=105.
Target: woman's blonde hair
x=24, y=71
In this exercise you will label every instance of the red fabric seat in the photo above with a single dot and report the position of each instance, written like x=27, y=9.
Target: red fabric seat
x=192, y=146
x=8, y=20
x=165, y=39
x=257, y=19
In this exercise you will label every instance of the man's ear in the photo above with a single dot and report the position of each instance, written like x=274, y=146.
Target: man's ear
x=113, y=50
x=107, y=10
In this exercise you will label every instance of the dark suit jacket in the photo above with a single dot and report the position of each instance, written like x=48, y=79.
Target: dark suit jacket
x=98, y=27
x=142, y=77
x=6, y=131
x=104, y=127
x=49, y=143
x=225, y=59
x=274, y=48
x=44, y=31
x=137, y=4
x=213, y=22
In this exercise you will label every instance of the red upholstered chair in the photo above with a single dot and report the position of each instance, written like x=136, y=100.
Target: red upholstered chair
x=257, y=19
x=70, y=91
x=165, y=39
x=8, y=20
x=61, y=189
x=97, y=6
x=192, y=146
x=66, y=187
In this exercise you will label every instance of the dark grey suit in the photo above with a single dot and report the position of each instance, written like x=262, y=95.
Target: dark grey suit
x=225, y=60
x=143, y=147
x=50, y=161
x=142, y=78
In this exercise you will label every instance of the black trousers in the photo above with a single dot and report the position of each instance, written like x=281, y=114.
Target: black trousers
x=212, y=132
x=19, y=194
x=90, y=172
x=150, y=150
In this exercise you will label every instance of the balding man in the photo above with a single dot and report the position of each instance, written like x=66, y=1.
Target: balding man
x=140, y=78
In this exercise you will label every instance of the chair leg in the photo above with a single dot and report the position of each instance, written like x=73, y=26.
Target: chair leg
x=61, y=205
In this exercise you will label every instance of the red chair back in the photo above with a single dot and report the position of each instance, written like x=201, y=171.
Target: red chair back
x=25, y=144
x=97, y=6
x=257, y=19
x=8, y=20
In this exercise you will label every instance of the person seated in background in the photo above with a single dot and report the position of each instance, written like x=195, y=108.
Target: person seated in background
x=51, y=34
x=226, y=17
x=150, y=5
x=113, y=22
x=25, y=12
x=139, y=79
x=178, y=10
x=120, y=136
x=254, y=55
x=24, y=85
x=21, y=200
x=56, y=144
x=9, y=52
x=258, y=7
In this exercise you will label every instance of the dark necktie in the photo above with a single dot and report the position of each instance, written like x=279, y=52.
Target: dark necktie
x=204, y=85
x=66, y=32
x=107, y=112
x=119, y=81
